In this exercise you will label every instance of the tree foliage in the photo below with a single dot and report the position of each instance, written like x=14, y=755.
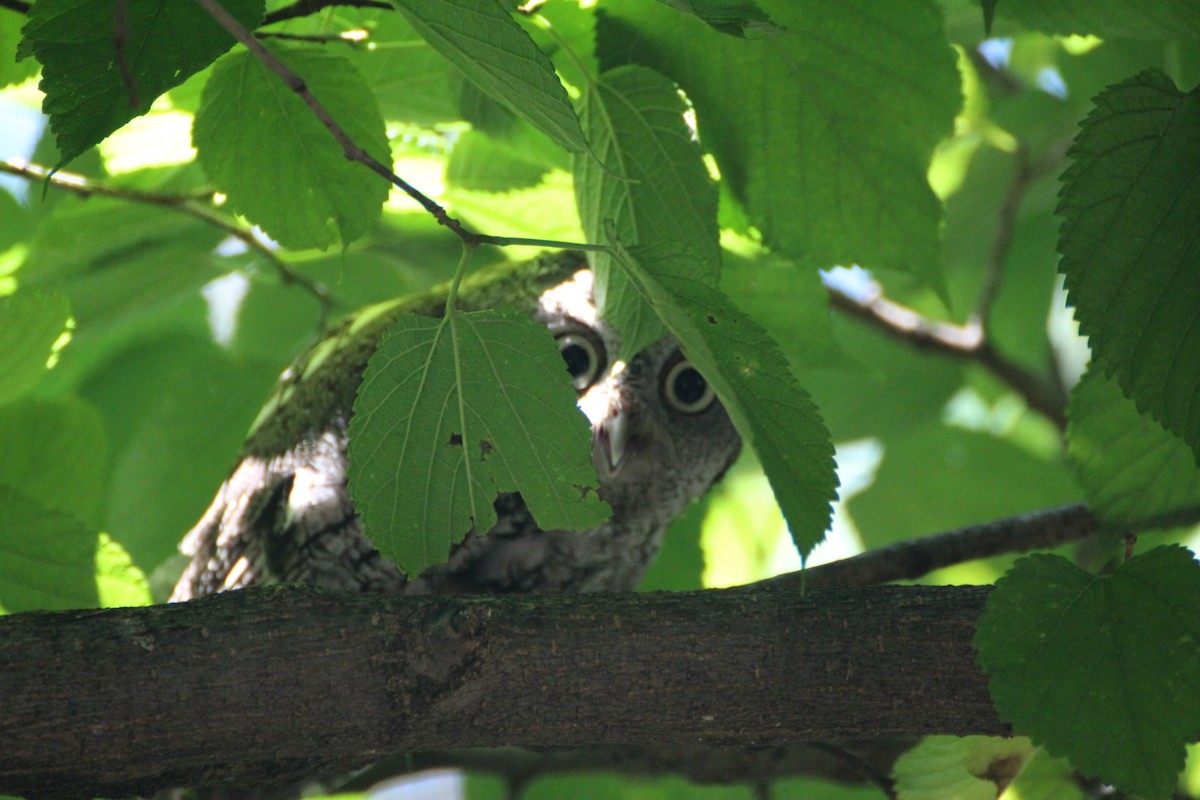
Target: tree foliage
x=869, y=223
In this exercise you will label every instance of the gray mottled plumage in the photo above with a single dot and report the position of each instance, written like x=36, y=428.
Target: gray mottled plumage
x=285, y=515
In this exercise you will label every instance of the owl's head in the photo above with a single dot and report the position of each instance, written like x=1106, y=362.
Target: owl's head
x=660, y=435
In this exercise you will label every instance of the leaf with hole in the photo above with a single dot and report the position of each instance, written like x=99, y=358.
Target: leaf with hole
x=452, y=413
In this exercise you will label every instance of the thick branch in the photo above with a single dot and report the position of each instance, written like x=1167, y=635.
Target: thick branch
x=915, y=558
x=252, y=686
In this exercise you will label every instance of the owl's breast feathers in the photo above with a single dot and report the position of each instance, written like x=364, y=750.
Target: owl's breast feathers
x=284, y=514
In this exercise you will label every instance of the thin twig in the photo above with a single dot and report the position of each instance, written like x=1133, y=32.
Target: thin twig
x=313, y=38
x=350, y=149
x=20, y=6
x=1002, y=243
x=880, y=779
x=966, y=342
x=915, y=558
x=305, y=7
x=83, y=187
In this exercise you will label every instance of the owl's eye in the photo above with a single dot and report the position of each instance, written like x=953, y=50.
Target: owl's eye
x=584, y=358
x=685, y=389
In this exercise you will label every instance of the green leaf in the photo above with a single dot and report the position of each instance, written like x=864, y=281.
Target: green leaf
x=193, y=405
x=46, y=557
x=54, y=453
x=86, y=94
x=1146, y=19
x=1130, y=253
x=931, y=479
x=482, y=39
x=1103, y=671
x=1135, y=473
x=452, y=413
x=647, y=179
x=483, y=164
x=753, y=381
x=734, y=17
x=30, y=325
x=118, y=262
x=830, y=169
x=119, y=583
x=263, y=147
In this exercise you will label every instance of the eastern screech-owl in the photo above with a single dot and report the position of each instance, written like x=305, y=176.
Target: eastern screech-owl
x=660, y=439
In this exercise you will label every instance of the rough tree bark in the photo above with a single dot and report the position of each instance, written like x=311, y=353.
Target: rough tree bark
x=255, y=685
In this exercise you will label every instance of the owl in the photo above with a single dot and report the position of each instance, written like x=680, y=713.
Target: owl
x=660, y=439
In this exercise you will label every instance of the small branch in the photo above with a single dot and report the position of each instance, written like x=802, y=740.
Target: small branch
x=83, y=187
x=20, y=6
x=1002, y=243
x=350, y=149
x=305, y=7
x=916, y=558
x=966, y=342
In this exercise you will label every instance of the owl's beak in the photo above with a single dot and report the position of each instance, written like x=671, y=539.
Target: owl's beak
x=612, y=437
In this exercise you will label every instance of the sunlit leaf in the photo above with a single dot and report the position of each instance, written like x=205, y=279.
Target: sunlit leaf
x=283, y=169
x=647, y=179
x=30, y=324
x=830, y=168
x=490, y=48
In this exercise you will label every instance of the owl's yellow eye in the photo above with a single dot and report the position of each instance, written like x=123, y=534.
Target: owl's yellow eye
x=685, y=389
x=583, y=356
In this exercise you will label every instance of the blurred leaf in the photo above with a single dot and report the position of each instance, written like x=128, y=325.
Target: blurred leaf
x=177, y=409
x=742, y=531
x=754, y=383
x=964, y=768
x=31, y=322
x=935, y=478
x=1151, y=19
x=1067, y=658
x=648, y=180
x=1134, y=472
x=410, y=80
x=829, y=168
x=483, y=164
x=11, y=70
x=54, y=454
x=680, y=563
x=1130, y=203
x=86, y=93
x=543, y=211
x=117, y=261
x=790, y=303
x=734, y=17
x=283, y=169
x=482, y=39
x=46, y=557
x=440, y=428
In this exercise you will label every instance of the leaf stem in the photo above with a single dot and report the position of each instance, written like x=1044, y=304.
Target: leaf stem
x=451, y=318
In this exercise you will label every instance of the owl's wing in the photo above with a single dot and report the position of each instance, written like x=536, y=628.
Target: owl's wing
x=285, y=519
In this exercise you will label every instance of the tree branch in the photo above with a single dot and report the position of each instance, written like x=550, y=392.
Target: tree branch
x=121, y=701
x=84, y=187
x=966, y=342
x=20, y=6
x=915, y=558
